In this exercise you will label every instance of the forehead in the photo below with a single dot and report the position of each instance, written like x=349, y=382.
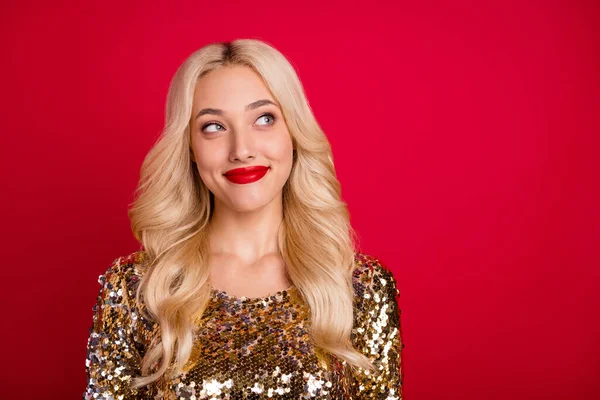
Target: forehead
x=230, y=87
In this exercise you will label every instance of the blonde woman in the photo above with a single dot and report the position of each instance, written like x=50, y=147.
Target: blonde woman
x=247, y=283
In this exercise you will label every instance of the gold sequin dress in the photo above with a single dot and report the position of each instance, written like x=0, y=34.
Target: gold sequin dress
x=247, y=348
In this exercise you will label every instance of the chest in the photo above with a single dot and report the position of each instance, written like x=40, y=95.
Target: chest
x=256, y=350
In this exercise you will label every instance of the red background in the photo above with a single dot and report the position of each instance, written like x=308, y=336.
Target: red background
x=464, y=135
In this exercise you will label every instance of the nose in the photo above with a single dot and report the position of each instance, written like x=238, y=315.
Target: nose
x=242, y=145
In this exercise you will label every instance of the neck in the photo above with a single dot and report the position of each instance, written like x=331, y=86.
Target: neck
x=249, y=235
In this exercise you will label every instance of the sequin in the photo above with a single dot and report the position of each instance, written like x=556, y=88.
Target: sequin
x=247, y=348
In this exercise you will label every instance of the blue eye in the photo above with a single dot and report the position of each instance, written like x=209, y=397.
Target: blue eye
x=210, y=124
x=270, y=117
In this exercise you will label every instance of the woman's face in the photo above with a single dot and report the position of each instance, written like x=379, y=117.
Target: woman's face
x=236, y=123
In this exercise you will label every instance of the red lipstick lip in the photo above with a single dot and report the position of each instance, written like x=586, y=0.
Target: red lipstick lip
x=246, y=175
x=246, y=170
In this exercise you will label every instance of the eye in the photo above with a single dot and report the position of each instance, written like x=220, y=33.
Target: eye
x=270, y=118
x=211, y=124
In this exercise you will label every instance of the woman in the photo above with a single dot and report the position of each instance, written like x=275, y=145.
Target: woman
x=247, y=284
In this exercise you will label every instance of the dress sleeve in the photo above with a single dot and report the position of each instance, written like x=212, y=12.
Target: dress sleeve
x=378, y=335
x=112, y=357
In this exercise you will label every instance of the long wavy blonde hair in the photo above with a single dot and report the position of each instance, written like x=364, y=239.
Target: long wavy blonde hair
x=172, y=209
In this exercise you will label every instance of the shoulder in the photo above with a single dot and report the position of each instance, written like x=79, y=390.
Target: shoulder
x=376, y=303
x=126, y=269
x=371, y=275
x=119, y=282
x=116, y=298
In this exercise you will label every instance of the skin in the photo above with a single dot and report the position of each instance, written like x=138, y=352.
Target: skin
x=244, y=259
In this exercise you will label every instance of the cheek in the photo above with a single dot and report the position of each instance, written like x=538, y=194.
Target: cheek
x=207, y=159
x=280, y=148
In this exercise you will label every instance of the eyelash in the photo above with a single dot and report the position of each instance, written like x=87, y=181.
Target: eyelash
x=270, y=115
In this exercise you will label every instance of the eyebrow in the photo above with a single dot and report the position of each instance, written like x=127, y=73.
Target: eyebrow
x=251, y=106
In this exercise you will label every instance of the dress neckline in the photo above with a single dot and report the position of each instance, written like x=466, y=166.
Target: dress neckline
x=278, y=296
